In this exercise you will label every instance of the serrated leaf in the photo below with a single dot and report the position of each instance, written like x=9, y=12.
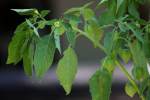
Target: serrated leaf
x=130, y=90
x=14, y=49
x=67, y=69
x=44, y=55
x=88, y=14
x=100, y=85
x=28, y=59
x=26, y=11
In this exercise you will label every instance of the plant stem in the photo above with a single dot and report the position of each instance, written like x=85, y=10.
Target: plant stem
x=122, y=68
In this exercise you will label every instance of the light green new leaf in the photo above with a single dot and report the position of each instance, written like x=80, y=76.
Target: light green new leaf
x=44, y=13
x=88, y=14
x=32, y=26
x=44, y=55
x=130, y=90
x=17, y=42
x=100, y=85
x=26, y=11
x=101, y=2
x=125, y=55
x=72, y=10
x=67, y=69
x=109, y=64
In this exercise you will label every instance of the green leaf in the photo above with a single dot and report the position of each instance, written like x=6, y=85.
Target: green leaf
x=70, y=34
x=33, y=27
x=14, y=49
x=119, y=3
x=67, y=69
x=109, y=64
x=44, y=13
x=139, y=60
x=110, y=41
x=73, y=10
x=139, y=73
x=28, y=59
x=57, y=42
x=125, y=55
x=148, y=94
x=100, y=85
x=94, y=32
x=106, y=18
x=71, y=37
x=122, y=10
x=130, y=90
x=44, y=55
x=133, y=11
x=26, y=11
x=136, y=31
x=88, y=14
x=42, y=24
x=101, y=2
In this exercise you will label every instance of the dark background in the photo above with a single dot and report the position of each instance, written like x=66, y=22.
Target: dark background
x=14, y=85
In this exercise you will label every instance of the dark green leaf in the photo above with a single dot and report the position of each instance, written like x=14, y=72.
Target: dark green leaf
x=133, y=11
x=44, y=55
x=71, y=37
x=14, y=49
x=28, y=59
x=67, y=69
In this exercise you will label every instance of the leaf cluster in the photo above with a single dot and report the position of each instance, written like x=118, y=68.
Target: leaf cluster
x=119, y=32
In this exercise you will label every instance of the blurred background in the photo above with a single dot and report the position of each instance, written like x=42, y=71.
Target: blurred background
x=15, y=85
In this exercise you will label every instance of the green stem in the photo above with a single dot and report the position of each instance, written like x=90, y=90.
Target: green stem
x=122, y=68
